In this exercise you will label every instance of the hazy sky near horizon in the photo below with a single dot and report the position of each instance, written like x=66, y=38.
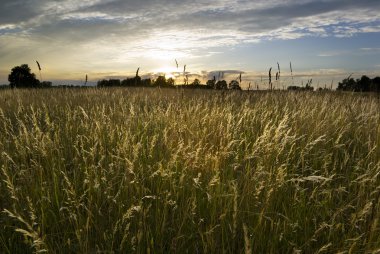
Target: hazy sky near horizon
x=111, y=38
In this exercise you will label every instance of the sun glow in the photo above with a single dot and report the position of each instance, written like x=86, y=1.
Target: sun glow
x=169, y=72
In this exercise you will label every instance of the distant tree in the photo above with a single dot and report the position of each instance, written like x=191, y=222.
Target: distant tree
x=308, y=87
x=221, y=84
x=46, y=84
x=211, y=83
x=129, y=82
x=347, y=84
x=137, y=80
x=102, y=83
x=234, y=85
x=108, y=83
x=375, y=85
x=21, y=76
x=170, y=82
x=160, y=81
x=114, y=82
x=294, y=88
x=196, y=82
x=364, y=84
x=146, y=82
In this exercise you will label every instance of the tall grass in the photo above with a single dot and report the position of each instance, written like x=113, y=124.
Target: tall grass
x=158, y=171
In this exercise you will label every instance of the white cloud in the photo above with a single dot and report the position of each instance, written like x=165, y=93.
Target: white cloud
x=334, y=53
x=370, y=50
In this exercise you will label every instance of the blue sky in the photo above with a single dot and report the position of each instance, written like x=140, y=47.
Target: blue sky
x=325, y=40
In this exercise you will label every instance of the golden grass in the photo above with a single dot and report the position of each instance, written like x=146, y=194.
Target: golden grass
x=158, y=171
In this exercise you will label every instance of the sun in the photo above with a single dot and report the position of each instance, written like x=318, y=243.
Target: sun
x=169, y=75
x=169, y=72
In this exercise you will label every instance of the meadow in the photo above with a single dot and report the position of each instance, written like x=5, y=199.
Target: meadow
x=113, y=170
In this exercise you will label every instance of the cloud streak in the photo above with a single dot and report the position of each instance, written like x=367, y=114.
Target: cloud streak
x=240, y=20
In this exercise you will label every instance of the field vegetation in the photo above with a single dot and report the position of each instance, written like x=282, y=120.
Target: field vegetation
x=148, y=170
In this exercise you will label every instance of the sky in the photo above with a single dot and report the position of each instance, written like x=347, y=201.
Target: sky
x=325, y=40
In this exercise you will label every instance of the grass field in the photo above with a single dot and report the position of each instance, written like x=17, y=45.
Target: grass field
x=174, y=171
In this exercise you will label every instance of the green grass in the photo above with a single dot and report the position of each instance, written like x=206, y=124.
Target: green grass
x=160, y=171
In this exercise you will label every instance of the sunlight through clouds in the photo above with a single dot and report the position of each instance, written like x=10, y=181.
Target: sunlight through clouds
x=121, y=34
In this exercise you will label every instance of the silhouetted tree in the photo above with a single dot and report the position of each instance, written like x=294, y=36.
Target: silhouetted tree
x=375, y=85
x=129, y=82
x=21, y=76
x=308, y=87
x=160, y=81
x=146, y=82
x=46, y=84
x=196, y=82
x=364, y=84
x=298, y=88
x=221, y=84
x=234, y=85
x=102, y=83
x=170, y=82
x=109, y=83
x=114, y=82
x=135, y=81
x=347, y=84
x=211, y=83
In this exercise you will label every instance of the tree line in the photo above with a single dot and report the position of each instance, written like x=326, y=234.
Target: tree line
x=22, y=77
x=162, y=81
x=364, y=84
x=137, y=81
